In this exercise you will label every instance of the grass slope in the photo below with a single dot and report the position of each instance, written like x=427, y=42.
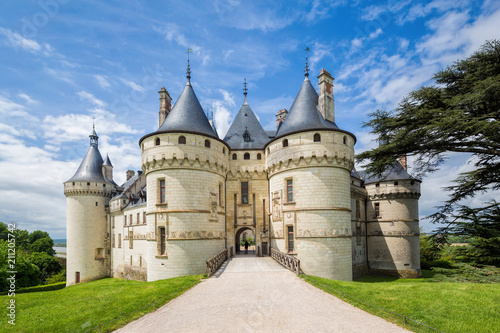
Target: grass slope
x=81, y=307
x=446, y=306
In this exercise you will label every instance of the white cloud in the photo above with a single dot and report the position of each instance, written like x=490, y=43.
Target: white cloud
x=28, y=99
x=375, y=34
x=133, y=85
x=102, y=81
x=17, y=41
x=88, y=97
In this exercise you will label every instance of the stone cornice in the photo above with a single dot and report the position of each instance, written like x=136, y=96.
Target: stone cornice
x=87, y=192
x=291, y=162
x=184, y=163
x=395, y=195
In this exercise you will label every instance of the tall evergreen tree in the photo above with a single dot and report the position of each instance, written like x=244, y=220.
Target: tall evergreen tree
x=460, y=113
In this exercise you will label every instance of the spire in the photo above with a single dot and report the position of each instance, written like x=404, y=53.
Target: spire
x=245, y=91
x=93, y=136
x=307, y=65
x=188, y=72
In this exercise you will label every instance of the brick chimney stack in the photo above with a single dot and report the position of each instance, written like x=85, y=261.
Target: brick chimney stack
x=280, y=117
x=130, y=174
x=326, y=103
x=403, y=161
x=165, y=104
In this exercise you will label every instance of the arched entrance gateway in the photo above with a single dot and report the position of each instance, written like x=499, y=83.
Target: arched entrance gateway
x=242, y=234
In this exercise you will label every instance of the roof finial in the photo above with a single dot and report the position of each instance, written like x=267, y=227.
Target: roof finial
x=188, y=68
x=245, y=90
x=307, y=65
x=93, y=136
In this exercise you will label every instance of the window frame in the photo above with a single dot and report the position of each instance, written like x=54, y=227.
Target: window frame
x=376, y=210
x=289, y=189
x=161, y=191
x=244, y=194
x=182, y=140
x=290, y=240
x=246, y=156
x=317, y=137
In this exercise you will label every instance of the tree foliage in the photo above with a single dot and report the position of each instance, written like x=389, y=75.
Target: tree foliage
x=44, y=245
x=461, y=114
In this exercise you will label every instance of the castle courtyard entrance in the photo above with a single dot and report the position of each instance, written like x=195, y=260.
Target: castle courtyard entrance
x=242, y=234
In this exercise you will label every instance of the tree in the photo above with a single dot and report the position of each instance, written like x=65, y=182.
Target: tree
x=47, y=264
x=43, y=245
x=458, y=114
x=36, y=235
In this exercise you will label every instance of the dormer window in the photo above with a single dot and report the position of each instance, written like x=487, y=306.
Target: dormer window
x=317, y=137
x=182, y=140
x=246, y=136
x=246, y=156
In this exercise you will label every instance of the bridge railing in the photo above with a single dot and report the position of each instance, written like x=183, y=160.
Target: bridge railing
x=216, y=261
x=290, y=262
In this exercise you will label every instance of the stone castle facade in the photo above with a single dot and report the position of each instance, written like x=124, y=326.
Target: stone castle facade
x=295, y=189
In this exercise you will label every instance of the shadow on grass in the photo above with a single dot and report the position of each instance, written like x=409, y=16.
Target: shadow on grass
x=426, y=274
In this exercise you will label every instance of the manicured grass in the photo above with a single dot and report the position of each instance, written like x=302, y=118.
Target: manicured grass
x=81, y=307
x=446, y=306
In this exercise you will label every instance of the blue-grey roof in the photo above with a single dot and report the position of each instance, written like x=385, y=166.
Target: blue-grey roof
x=246, y=132
x=396, y=172
x=107, y=161
x=90, y=169
x=186, y=116
x=271, y=133
x=304, y=114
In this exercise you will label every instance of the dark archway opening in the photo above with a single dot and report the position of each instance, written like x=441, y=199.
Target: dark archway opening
x=245, y=232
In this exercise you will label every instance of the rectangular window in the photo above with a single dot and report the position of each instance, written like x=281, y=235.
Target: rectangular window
x=113, y=241
x=113, y=221
x=125, y=220
x=138, y=218
x=131, y=239
x=162, y=191
x=220, y=194
x=358, y=210
x=162, y=241
x=244, y=192
x=289, y=190
x=144, y=217
x=377, y=210
x=119, y=241
x=131, y=222
x=290, y=239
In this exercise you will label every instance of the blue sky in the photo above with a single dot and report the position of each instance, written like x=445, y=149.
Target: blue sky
x=63, y=62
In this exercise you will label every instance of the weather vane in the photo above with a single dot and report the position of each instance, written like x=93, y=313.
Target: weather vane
x=245, y=88
x=307, y=65
x=93, y=123
x=188, y=69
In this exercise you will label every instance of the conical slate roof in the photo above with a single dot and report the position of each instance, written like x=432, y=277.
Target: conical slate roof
x=107, y=161
x=304, y=114
x=246, y=132
x=90, y=169
x=396, y=172
x=187, y=116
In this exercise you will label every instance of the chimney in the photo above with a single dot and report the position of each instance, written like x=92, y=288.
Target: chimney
x=130, y=174
x=403, y=161
x=165, y=104
x=280, y=117
x=326, y=103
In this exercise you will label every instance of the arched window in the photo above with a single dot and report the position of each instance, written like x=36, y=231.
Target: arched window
x=317, y=137
x=182, y=140
x=345, y=140
x=396, y=183
x=224, y=150
x=377, y=185
x=285, y=143
x=246, y=156
x=259, y=156
x=235, y=157
x=207, y=143
x=157, y=142
x=412, y=182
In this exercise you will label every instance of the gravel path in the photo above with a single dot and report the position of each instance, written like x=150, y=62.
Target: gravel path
x=250, y=294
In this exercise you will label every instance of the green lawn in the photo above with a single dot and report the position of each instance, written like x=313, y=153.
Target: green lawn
x=446, y=306
x=81, y=307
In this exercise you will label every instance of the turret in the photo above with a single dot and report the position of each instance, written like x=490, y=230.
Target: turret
x=88, y=193
x=107, y=169
x=165, y=104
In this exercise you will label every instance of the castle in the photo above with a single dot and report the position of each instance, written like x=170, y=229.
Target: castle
x=295, y=189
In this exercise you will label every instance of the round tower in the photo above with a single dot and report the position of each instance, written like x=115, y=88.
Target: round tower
x=88, y=193
x=393, y=223
x=185, y=164
x=309, y=165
